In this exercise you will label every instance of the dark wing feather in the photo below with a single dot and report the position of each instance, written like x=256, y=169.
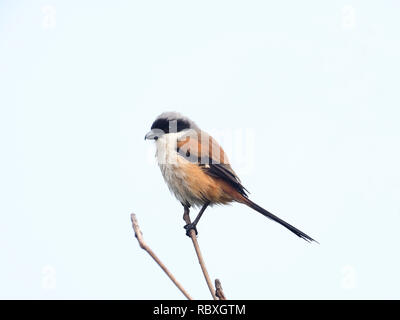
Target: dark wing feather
x=225, y=172
x=202, y=149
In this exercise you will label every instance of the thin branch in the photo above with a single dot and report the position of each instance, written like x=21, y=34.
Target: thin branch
x=144, y=246
x=186, y=217
x=218, y=290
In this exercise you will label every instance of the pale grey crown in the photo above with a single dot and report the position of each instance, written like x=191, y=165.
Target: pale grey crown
x=163, y=122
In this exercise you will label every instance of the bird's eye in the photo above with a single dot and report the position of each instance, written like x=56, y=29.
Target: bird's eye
x=188, y=153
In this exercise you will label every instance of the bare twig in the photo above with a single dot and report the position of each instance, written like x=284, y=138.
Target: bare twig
x=144, y=246
x=186, y=217
x=218, y=290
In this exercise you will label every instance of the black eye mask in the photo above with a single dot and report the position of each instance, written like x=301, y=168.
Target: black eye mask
x=168, y=126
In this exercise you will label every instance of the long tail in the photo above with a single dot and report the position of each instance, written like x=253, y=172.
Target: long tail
x=271, y=216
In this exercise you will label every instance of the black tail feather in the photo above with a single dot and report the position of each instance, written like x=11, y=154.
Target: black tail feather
x=271, y=216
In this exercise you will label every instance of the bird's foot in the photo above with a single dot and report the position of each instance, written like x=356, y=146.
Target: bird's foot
x=188, y=227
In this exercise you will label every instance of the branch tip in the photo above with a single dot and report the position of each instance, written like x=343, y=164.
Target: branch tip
x=144, y=246
x=218, y=290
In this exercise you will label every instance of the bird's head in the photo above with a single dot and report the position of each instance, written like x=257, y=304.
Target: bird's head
x=169, y=122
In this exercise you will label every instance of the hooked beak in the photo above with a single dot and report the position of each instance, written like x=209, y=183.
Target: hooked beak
x=152, y=135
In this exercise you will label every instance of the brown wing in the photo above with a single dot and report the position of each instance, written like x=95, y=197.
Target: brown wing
x=202, y=149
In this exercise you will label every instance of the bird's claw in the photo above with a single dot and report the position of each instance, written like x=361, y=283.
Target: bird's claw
x=189, y=227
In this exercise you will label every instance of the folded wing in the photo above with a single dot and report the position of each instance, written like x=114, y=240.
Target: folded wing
x=202, y=149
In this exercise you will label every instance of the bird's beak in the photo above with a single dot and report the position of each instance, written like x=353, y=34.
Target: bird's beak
x=152, y=135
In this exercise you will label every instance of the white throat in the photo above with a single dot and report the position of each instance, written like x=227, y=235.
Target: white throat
x=167, y=148
x=172, y=167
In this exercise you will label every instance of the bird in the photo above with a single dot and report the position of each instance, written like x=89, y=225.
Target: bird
x=197, y=170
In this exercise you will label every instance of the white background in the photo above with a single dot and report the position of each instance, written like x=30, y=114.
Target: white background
x=307, y=93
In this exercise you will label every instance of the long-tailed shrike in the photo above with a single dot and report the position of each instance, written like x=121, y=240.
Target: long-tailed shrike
x=197, y=170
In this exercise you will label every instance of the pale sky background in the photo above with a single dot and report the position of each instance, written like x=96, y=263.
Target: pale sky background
x=304, y=95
